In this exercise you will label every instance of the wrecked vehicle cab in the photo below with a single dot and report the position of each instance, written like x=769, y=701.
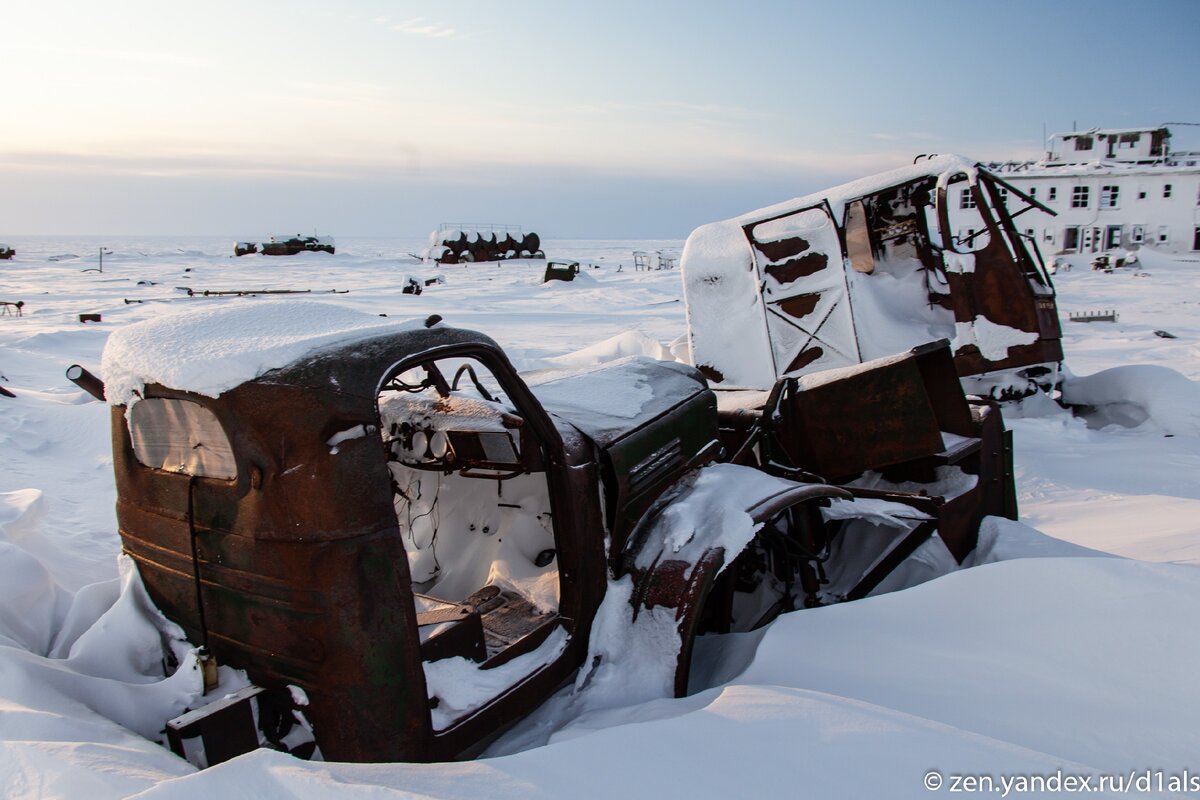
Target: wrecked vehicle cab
x=873, y=268
x=390, y=518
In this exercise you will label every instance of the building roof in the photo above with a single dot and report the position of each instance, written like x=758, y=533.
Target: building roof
x=1110, y=132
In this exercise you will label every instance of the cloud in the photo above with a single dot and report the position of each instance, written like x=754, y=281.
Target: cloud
x=417, y=26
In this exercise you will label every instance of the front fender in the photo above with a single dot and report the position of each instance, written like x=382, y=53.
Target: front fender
x=678, y=550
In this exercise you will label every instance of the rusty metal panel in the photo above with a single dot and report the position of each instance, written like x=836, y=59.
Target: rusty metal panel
x=863, y=419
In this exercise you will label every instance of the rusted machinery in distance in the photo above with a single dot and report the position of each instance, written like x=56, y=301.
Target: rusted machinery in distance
x=289, y=246
x=466, y=243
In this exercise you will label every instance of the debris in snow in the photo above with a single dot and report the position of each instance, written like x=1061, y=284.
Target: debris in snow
x=1093, y=316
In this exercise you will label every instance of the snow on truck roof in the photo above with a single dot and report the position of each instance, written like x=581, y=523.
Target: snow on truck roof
x=211, y=350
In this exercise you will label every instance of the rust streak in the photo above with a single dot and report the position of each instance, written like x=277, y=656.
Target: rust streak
x=798, y=268
x=799, y=306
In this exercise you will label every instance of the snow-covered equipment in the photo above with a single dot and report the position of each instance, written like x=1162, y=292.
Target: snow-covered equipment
x=392, y=521
x=466, y=243
x=869, y=269
x=560, y=271
x=288, y=246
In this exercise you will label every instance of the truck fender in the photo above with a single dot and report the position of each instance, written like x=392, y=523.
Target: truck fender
x=680, y=547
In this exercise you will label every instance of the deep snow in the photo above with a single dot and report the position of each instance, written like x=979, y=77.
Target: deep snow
x=1045, y=656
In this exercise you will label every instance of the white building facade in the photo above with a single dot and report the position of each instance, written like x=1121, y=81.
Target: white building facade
x=1112, y=191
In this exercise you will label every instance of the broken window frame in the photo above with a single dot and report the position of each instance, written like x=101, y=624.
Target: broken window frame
x=1000, y=223
x=179, y=435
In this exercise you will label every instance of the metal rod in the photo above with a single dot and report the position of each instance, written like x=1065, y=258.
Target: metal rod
x=86, y=381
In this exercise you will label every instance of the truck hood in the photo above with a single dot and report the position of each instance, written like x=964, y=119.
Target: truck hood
x=609, y=401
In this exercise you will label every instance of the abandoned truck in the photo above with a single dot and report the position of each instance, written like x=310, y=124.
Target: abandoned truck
x=392, y=519
x=872, y=268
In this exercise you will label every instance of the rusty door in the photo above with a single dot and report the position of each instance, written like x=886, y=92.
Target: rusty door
x=802, y=278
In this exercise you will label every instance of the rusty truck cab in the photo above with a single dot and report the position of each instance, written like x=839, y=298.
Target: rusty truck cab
x=322, y=526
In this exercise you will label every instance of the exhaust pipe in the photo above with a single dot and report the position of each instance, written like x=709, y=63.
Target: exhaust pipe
x=86, y=381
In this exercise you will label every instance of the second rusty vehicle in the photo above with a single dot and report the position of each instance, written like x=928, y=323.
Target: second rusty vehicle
x=873, y=267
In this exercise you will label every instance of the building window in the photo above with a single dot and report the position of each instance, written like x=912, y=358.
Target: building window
x=1137, y=234
x=1141, y=193
x=1198, y=197
x=1052, y=194
x=1164, y=234
x=966, y=199
x=1128, y=141
x=1033, y=192
x=1083, y=143
x=1166, y=190
x=1003, y=195
x=965, y=235
x=1048, y=235
x=1071, y=238
x=1109, y=196
x=1080, y=196
x=1112, y=237
x=1029, y=234
x=1196, y=238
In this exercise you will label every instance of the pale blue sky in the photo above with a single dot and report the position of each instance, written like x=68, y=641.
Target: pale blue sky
x=618, y=119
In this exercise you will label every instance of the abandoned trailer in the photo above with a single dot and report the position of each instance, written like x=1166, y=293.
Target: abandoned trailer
x=390, y=518
x=872, y=268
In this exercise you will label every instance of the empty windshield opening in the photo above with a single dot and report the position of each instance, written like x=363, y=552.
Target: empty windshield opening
x=180, y=436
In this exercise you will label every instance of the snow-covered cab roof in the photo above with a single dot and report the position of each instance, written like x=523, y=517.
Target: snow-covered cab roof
x=210, y=350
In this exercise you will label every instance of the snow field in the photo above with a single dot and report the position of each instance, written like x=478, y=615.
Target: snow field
x=1044, y=656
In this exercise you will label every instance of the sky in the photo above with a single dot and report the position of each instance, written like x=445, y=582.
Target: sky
x=616, y=119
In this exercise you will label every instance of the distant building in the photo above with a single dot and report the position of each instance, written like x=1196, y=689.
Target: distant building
x=1111, y=189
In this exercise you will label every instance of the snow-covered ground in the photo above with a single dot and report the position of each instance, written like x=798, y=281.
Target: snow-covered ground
x=1054, y=658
